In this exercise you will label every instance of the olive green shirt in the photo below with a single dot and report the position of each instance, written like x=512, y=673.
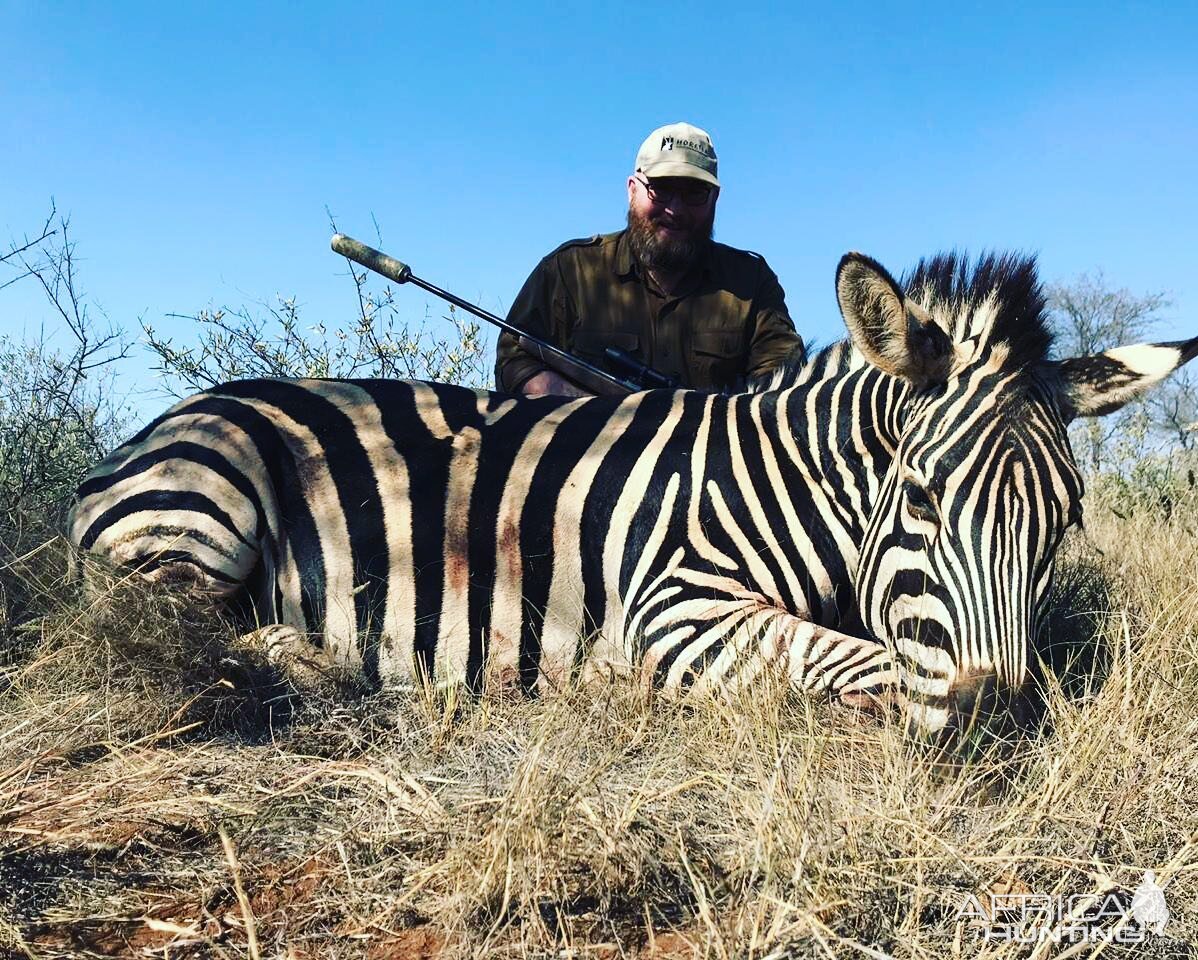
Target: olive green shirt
x=728, y=320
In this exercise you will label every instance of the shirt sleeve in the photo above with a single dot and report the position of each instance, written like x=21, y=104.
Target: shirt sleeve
x=531, y=312
x=774, y=338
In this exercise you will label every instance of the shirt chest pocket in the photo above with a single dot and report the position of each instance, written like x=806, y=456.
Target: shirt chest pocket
x=718, y=361
x=590, y=344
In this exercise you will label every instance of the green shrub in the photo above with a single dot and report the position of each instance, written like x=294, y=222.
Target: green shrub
x=272, y=341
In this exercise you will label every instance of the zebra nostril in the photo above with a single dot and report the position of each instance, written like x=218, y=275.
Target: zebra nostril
x=971, y=695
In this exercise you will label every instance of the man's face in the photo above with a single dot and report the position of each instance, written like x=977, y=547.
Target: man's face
x=670, y=220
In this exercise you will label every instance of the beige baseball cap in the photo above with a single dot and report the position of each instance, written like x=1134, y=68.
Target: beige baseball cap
x=678, y=150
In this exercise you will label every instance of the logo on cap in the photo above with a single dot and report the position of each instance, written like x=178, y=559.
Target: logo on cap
x=669, y=142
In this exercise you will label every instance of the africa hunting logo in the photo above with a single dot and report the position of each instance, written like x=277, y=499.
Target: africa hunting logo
x=1020, y=916
x=1148, y=904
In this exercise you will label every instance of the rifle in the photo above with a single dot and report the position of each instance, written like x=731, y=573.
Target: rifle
x=635, y=375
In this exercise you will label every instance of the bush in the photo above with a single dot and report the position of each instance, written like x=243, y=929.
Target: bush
x=272, y=341
x=57, y=418
x=54, y=424
x=57, y=412
x=1154, y=487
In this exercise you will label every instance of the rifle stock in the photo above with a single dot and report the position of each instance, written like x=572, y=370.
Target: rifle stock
x=585, y=375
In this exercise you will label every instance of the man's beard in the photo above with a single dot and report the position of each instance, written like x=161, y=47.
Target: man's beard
x=674, y=254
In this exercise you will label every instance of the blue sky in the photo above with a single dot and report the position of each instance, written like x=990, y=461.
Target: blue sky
x=196, y=147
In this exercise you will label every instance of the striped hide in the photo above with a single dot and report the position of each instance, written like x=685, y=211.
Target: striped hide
x=877, y=521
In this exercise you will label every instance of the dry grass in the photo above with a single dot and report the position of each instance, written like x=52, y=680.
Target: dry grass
x=161, y=795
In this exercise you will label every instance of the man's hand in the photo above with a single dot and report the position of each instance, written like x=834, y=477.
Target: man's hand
x=549, y=384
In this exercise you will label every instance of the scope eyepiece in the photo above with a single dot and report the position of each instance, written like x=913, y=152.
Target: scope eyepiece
x=640, y=373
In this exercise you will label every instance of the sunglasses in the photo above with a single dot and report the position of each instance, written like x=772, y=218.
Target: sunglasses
x=693, y=194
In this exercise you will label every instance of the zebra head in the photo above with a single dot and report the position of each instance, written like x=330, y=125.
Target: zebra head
x=956, y=564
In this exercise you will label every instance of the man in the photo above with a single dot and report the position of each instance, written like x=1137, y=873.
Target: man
x=662, y=289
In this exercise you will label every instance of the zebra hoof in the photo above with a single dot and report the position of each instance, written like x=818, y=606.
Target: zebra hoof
x=304, y=665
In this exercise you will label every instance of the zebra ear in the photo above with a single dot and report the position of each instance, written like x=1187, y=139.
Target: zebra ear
x=1097, y=385
x=893, y=333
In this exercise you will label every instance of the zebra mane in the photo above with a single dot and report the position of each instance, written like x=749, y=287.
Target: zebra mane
x=995, y=299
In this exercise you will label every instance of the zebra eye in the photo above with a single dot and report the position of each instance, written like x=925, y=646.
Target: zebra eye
x=919, y=503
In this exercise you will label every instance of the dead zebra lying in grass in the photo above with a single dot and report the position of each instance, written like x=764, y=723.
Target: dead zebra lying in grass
x=915, y=479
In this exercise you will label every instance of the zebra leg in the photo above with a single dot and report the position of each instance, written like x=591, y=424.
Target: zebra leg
x=305, y=665
x=858, y=672
x=742, y=640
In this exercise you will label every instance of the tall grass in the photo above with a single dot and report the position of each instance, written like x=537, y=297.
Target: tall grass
x=161, y=794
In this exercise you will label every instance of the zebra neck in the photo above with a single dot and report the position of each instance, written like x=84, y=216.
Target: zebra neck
x=846, y=419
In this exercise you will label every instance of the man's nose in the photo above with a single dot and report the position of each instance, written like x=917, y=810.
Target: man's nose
x=675, y=208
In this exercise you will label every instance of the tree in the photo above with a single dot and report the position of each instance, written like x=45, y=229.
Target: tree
x=1088, y=316
x=1174, y=410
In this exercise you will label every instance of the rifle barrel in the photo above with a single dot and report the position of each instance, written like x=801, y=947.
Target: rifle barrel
x=592, y=377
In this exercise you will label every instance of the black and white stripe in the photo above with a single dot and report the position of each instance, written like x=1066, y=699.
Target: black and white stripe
x=915, y=480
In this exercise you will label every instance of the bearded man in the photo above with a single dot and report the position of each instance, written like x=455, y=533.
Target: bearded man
x=661, y=290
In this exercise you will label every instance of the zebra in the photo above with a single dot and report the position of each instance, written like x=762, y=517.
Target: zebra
x=877, y=522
